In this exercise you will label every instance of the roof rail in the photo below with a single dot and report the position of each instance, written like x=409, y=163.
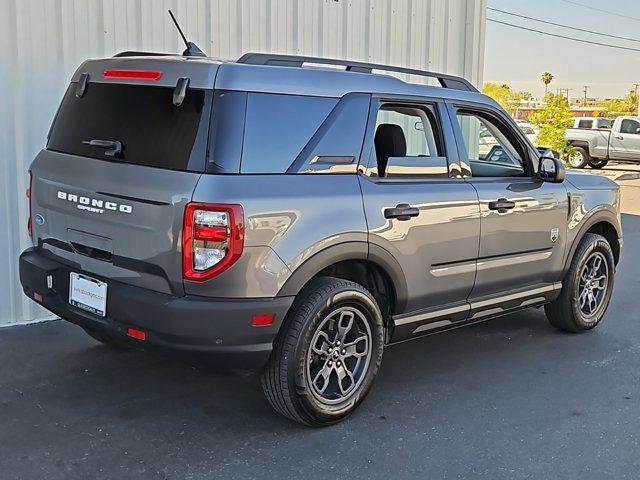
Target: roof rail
x=131, y=53
x=446, y=81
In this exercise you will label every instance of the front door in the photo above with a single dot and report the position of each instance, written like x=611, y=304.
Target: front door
x=523, y=220
x=419, y=213
x=626, y=143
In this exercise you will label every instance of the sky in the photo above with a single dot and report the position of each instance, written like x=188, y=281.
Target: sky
x=519, y=58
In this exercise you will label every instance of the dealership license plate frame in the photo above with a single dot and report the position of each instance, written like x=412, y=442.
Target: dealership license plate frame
x=83, y=299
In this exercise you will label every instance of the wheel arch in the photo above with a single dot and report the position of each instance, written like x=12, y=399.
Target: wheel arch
x=369, y=265
x=603, y=223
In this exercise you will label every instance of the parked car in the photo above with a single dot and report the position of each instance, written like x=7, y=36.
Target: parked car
x=529, y=129
x=297, y=220
x=597, y=145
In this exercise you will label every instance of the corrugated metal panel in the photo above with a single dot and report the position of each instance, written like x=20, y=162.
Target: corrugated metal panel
x=43, y=41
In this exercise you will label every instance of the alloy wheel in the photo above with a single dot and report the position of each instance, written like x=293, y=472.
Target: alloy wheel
x=576, y=159
x=339, y=355
x=592, y=287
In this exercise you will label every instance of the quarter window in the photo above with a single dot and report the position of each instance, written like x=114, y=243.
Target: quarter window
x=278, y=127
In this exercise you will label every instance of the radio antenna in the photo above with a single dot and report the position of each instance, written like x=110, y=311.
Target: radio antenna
x=192, y=49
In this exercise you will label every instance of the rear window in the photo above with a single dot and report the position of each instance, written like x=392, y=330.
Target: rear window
x=151, y=129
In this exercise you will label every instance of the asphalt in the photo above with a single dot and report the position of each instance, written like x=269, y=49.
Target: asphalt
x=508, y=399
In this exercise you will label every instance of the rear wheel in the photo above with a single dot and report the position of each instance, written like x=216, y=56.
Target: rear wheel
x=598, y=164
x=579, y=158
x=587, y=287
x=327, y=355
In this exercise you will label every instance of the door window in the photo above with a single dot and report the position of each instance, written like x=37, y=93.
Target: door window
x=630, y=127
x=585, y=123
x=408, y=141
x=489, y=152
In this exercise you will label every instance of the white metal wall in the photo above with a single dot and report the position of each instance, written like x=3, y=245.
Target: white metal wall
x=43, y=41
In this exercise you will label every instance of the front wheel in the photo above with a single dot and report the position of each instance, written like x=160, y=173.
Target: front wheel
x=598, y=164
x=579, y=158
x=586, y=288
x=326, y=357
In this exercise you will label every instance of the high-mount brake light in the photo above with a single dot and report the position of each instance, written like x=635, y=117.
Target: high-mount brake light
x=28, y=193
x=212, y=239
x=151, y=75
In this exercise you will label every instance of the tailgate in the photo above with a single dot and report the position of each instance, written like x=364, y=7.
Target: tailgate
x=117, y=220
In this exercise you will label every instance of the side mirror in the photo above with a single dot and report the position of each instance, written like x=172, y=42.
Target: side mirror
x=551, y=170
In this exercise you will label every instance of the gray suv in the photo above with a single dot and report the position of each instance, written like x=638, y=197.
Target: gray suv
x=302, y=214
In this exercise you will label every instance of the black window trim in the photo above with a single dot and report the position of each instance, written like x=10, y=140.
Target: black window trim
x=367, y=165
x=515, y=136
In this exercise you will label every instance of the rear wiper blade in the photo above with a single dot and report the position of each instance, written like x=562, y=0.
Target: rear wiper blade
x=113, y=148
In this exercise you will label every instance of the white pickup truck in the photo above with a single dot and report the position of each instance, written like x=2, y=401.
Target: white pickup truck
x=596, y=145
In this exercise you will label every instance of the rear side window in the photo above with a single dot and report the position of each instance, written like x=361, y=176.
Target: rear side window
x=278, y=127
x=585, y=124
x=151, y=129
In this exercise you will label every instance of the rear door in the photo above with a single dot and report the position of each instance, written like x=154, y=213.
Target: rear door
x=122, y=161
x=523, y=220
x=420, y=211
x=625, y=144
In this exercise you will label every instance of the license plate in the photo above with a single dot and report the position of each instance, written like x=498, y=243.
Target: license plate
x=88, y=294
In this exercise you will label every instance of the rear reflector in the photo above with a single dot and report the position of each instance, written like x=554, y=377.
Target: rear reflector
x=137, y=334
x=263, y=320
x=151, y=75
x=37, y=297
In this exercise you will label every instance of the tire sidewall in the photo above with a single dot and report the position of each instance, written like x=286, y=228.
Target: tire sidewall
x=313, y=409
x=597, y=245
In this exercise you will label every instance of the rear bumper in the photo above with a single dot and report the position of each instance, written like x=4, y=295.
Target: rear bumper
x=221, y=327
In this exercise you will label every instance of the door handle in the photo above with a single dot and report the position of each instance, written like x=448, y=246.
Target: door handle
x=402, y=212
x=502, y=205
x=619, y=137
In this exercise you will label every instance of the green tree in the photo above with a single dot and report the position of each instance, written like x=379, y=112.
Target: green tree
x=546, y=78
x=621, y=106
x=553, y=119
x=503, y=94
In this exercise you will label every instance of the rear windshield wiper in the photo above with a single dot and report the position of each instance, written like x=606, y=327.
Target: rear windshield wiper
x=113, y=148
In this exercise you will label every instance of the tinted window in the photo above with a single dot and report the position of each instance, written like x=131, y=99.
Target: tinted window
x=408, y=141
x=278, y=127
x=152, y=131
x=604, y=123
x=585, y=123
x=489, y=152
x=629, y=126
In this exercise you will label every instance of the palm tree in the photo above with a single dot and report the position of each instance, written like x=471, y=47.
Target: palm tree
x=546, y=78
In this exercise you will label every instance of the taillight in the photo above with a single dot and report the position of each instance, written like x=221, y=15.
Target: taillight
x=213, y=239
x=28, y=192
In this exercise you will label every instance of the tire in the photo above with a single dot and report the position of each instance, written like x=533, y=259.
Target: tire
x=305, y=350
x=579, y=159
x=107, y=340
x=568, y=312
x=598, y=164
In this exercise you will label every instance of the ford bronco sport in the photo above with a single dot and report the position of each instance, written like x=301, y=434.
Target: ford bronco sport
x=299, y=218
